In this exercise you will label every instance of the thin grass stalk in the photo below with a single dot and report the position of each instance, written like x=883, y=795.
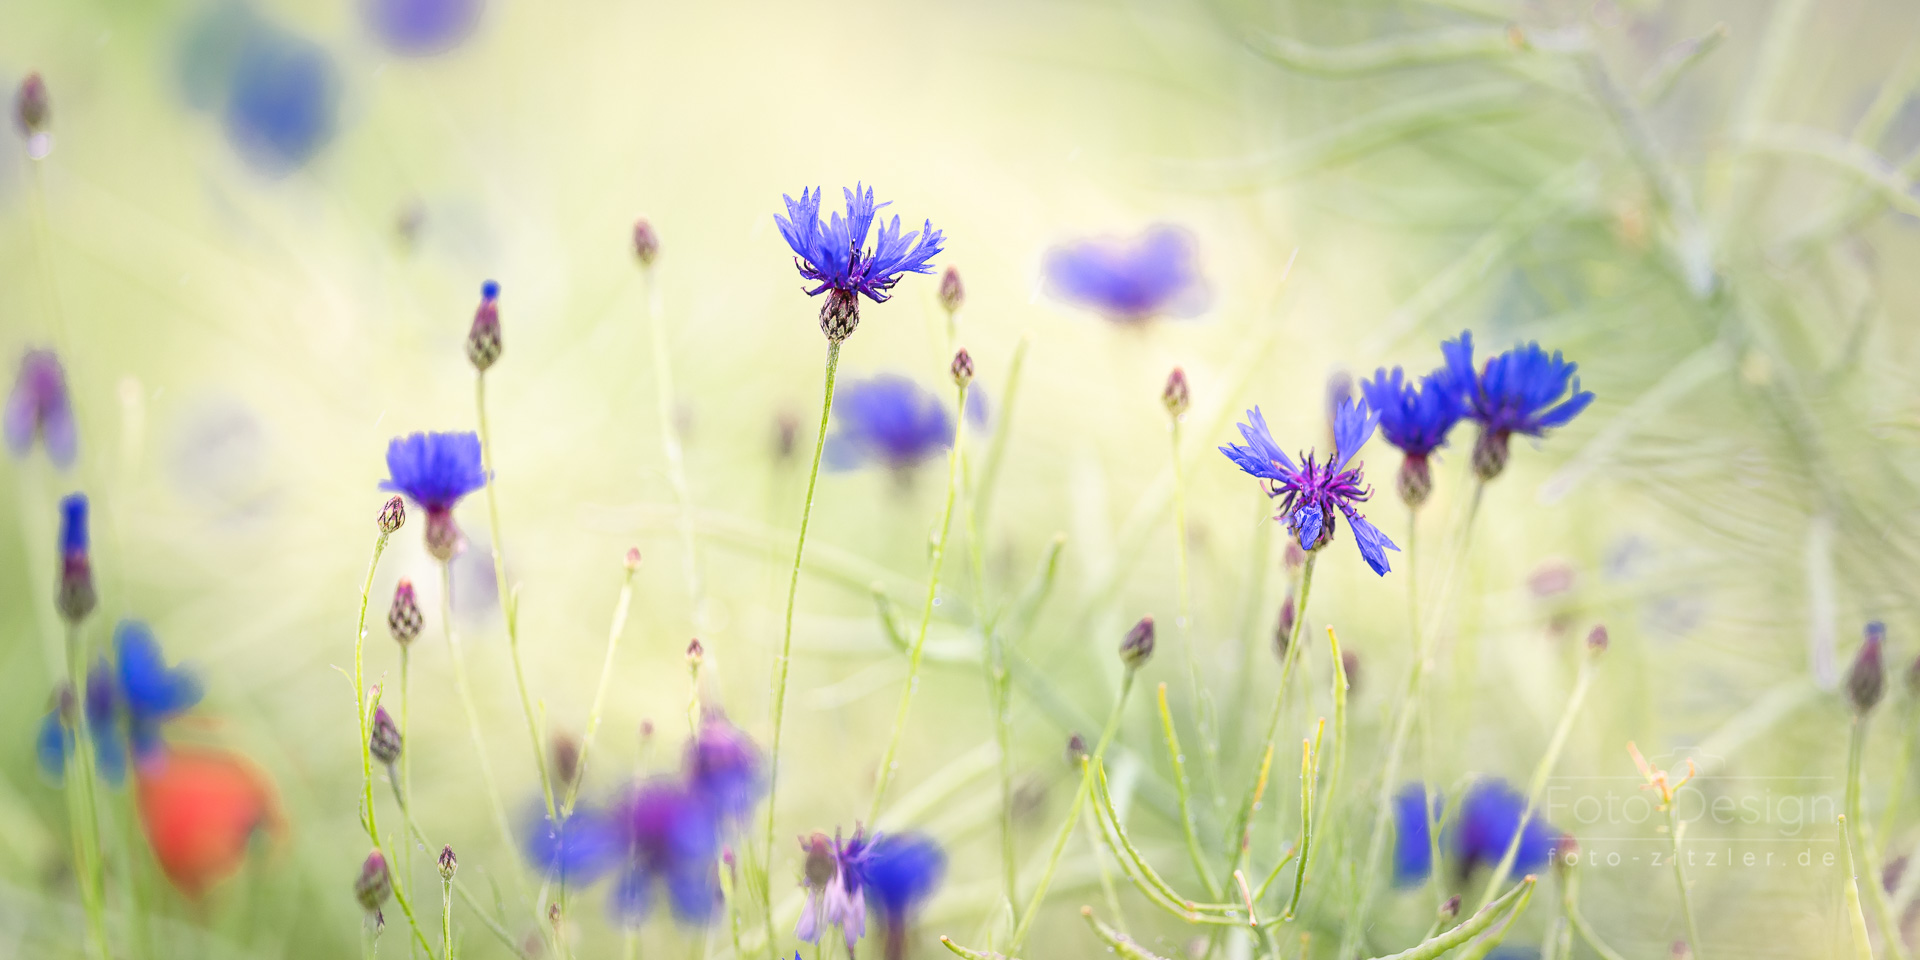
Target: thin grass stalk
x=670, y=445
x=83, y=799
x=1856, y=919
x=465, y=692
x=1202, y=698
x=509, y=600
x=405, y=769
x=620, y=608
x=1883, y=916
x=1570, y=905
x=1145, y=878
x=362, y=709
x=496, y=927
x=1674, y=828
x=887, y=761
x=1179, y=760
x=782, y=662
x=1309, y=777
x=1510, y=903
x=1538, y=785
x=1244, y=819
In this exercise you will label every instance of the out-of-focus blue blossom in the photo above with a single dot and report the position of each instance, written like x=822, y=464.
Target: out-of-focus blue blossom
x=1489, y=817
x=104, y=699
x=1314, y=491
x=53, y=743
x=579, y=850
x=724, y=766
x=1156, y=274
x=833, y=252
x=73, y=524
x=151, y=691
x=277, y=93
x=40, y=406
x=435, y=470
x=1414, y=417
x=75, y=597
x=894, y=873
x=1412, y=844
x=887, y=419
x=901, y=871
x=416, y=28
x=1524, y=390
x=671, y=837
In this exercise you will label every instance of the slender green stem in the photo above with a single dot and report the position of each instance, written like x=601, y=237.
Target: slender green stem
x=784, y=660
x=1883, y=915
x=1538, y=785
x=670, y=445
x=465, y=692
x=1309, y=776
x=446, y=917
x=1570, y=905
x=83, y=798
x=996, y=448
x=619, y=627
x=361, y=706
x=993, y=662
x=1072, y=818
x=887, y=761
x=509, y=602
x=1203, y=707
x=1857, y=920
x=473, y=903
x=1674, y=829
x=1243, y=821
x=406, y=756
x=1179, y=760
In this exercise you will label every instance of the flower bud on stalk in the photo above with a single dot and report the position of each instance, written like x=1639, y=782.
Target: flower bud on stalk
x=1597, y=639
x=839, y=315
x=962, y=368
x=75, y=596
x=448, y=864
x=646, y=243
x=1416, y=480
x=1490, y=454
x=384, y=740
x=1176, y=397
x=1137, y=648
x=32, y=110
x=565, y=750
x=952, y=292
x=404, y=618
x=393, y=516
x=375, y=884
x=483, y=340
x=1867, y=680
x=1283, y=631
x=1076, y=750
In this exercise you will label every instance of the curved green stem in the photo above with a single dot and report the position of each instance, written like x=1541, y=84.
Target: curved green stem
x=1541, y=772
x=1203, y=706
x=782, y=662
x=83, y=799
x=361, y=706
x=1179, y=761
x=465, y=693
x=1680, y=879
x=619, y=627
x=1243, y=821
x=1883, y=915
x=670, y=446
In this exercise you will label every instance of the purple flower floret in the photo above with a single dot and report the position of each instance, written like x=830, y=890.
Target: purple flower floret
x=1315, y=491
x=435, y=470
x=1133, y=280
x=833, y=253
x=894, y=873
x=887, y=419
x=1415, y=417
x=1490, y=815
x=724, y=766
x=39, y=406
x=1524, y=390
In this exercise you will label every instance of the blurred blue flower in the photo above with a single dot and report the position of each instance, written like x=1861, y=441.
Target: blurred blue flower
x=277, y=93
x=1134, y=280
x=1412, y=844
x=415, y=28
x=104, y=701
x=39, y=406
x=53, y=744
x=723, y=765
x=150, y=691
x=435, y=470
x=73, y=524
x=901, y=872
x=888, y=419
x=579, y=850
x=1314, y=491
x=894, y=873
x=671, y=837
x=1414, y=417
x=1524, y=390
x=74, y=597
x=1489, y=817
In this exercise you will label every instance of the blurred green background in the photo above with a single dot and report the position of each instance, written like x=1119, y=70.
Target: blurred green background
x=1720, y=249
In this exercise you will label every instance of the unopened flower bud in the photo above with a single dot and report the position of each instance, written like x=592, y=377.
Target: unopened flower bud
x=952, y=292
x=1076, y=750
x=393, y=516
x=962, y=368
x=1283, y=630
x=443, y=535
x=821, y=864
x=1137, y=648
x=1350, y=665
x=696, y=654
x=1867, y=680
x=1490, y=454
x=1451, y=908
x=31, y=112
x=633, y=559
x=404, y=618
x=786, y=432
x=1416, y=479
x=1597, y=639
x=384, y=740
x=375, y=883
x=565, y=750
x=646, y=243
x=1176, y=397
x=839, y=314
x=448, y=863
x=483, y=340
x=75, y=596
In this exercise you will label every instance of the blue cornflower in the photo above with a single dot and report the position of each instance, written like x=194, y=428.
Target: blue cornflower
x=150, y=691
x=888, y=419
x=581, y=849
x=54, y=741
x=435, y=470
x=105, y=701
x=1316, y=490
x=671, y=837
x=74, y=597
x=1489, y=816
x=415, y=28
x=723, y=765
x=834, y=254
x=40, y=406
x=282, y=98
x=1416, y=419
x=1525, y=391
x=1156, y=274
x=1412, y=844
x=893, y=872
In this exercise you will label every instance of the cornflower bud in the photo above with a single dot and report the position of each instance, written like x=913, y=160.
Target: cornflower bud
x=1490, y=454
x=1597, y=639
x=1451, y=908
x=375, y=883
x=1867, y=680
x=404, y=618
x=1176, y=397
x=646, y=243
x=1137, y=648
x=448, y=864
x=565, y=750
x=393, y=516
x=633, y=559
x=1350, y=665
x=839, y=314
x=75, y=597
x=696, y=654
x=31, y=111
x=1416, y=480
x=952, y=292
x=443, y=535
x=821, y=864
x=383, y=741
x=483, y=340
x=1283, y=631
x=962, y=368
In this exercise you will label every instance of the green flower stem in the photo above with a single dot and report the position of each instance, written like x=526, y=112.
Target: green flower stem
x=996, y=448
x=473, y=903
x=509, y=600
x=446, y=918
x=465, y=692
x=1203, y=707
x=1541, y=772
x=1862, y=946
x=1025, y=921
x=1146, y=879
x=1121, y=944
x=620, y=608
x=926, y=613
x=1680, y=879
x=782, y=662
x=1242, y=822
x=1309, y=776
x=1570, y=905
x=670, y=447
x=1179, y=760
x=82, y=798
x=1511, y=903
x=1883, y=915
x=406, y=756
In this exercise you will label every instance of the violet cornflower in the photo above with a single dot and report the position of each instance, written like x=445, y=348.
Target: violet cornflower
x=1132, y=280
x=1489, y=817
x=282, y=99
x=895, y=873
x=418, y=28
x=891, y=420
x=724, y=766
x=150, y=691
x=1316, y=491
x=74, y=595
x=834, y=254
x=662, y=834
x=435, y=470
x=1415, y=418
x=1524, y=390
x=1412, y=844
x=39, y=406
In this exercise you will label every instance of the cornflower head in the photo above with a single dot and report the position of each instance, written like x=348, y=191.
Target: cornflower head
x=435, y=470
x=1416, y=418
x=74, y=595
x=40, y=408
x=891, y=420
x=151, y=692
x=833, y=254
x=31, y=112
x=894, y=873
x=1867, y=678
x=1316, y=490
x=724, y=766
x=418, y=28
x=1524, y=390
x=281, y=97
x=404, y=618
x=1489, y=817
x=661, y=834
x=1412, y=844
x=103, y=704
x=1131, y=281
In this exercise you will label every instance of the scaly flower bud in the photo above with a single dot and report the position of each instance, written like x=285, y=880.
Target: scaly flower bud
x=31, y=111
x=633, y=559
x=1076, y=749
x=384, y=740
x=839, y=314
x=448, y=863
x=696, y=654
x=1137, y=648
x=646, y=243
x=375, y=883
x=443, y=535
x=1597, y=639
x=1490, y=454
x=1451, y=908
x=1176, y=396
x=483, y=341
x=1283, y=631
x=821, y=864
x=962, y=368
x=1416, y=479
x=565, y=750
x=75, y=597
x=952, y=292
x=393, y=516
x=404, y=618
x=1867, y=680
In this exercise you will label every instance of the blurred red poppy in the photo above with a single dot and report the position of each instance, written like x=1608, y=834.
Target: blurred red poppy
x=201, y=809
